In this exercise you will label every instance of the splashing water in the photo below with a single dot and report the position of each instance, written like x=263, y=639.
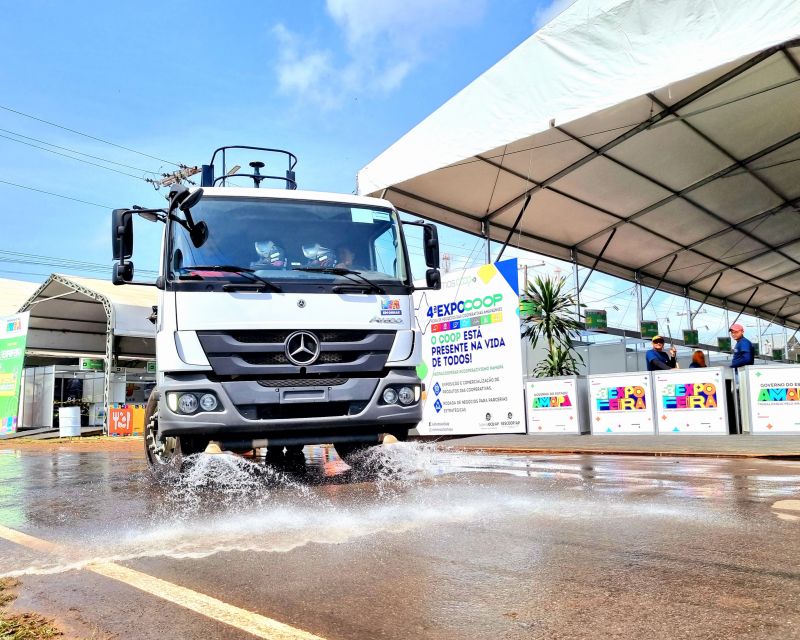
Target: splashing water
x=225, y=503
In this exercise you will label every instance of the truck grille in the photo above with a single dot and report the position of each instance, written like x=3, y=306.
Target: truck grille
x=262, y=353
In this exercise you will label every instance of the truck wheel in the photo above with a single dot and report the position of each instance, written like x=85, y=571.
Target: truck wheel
x=165, y=455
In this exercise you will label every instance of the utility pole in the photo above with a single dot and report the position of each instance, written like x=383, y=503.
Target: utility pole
x=168, y=179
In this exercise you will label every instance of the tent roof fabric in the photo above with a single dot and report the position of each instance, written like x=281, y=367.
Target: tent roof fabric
x=658, y=140
x=69, y=314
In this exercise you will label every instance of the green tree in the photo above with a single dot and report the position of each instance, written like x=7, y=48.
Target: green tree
x=547, y=312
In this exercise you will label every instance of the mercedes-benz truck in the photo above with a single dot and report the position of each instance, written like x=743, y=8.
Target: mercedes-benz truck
x=284, y=317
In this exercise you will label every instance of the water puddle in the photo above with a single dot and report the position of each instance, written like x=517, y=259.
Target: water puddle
x=224, y=503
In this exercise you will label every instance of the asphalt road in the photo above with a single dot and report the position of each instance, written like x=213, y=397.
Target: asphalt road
x=424, y=543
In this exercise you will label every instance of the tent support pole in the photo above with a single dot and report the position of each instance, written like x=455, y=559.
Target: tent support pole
x=487, y=230
x=574, y=257
x=513, y=227
x=778, y=312
x=727, y=315
x=744, y=306
x=639, y=306
x=597, y=260
x=702, y=304
x=689, y=315
x=658, y=286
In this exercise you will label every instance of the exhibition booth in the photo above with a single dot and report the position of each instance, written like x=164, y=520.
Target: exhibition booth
x=89, y=356
x=701, y=401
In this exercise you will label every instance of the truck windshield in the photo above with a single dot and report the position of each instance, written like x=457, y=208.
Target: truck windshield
x=290, y=240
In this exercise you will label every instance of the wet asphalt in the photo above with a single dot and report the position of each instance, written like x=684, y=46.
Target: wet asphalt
x=420, y=542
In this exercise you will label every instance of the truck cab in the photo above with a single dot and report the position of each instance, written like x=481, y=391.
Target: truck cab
x=285, y=318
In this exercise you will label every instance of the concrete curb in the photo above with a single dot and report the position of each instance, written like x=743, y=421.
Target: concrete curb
x=628, y=452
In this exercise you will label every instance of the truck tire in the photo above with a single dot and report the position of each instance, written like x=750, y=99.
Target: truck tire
x=168, y=455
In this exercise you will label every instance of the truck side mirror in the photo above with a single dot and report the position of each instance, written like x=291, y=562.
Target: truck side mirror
x=122, y=234
x=122, y=245
x=433, y=279
x=431, y=245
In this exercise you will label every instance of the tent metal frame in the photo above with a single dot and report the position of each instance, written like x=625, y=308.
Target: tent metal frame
x=643, y=275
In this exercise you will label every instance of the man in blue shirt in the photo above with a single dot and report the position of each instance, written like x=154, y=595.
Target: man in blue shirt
x=743, y=354
x=657, y=359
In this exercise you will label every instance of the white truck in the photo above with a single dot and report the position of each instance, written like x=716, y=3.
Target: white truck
x=284, y=317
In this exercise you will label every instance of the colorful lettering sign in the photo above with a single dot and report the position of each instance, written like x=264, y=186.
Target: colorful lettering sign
x=621, y=403
x=690, y=401
x=629, y=398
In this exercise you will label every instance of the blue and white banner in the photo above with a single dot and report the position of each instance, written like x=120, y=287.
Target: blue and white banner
x=472, y=359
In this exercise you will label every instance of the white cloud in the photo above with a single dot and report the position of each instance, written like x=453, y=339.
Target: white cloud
x=383, y=41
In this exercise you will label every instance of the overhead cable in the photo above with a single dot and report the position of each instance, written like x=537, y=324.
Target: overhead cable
x=86, y=135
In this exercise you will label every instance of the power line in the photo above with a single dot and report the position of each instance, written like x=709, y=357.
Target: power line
x=88, y=155
x=57, y=195
x=86, y=135
x=64, y=155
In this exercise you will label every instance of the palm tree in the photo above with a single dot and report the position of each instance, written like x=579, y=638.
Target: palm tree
x=547, y=312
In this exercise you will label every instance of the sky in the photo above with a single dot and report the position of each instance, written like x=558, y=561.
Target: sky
x=95, y=101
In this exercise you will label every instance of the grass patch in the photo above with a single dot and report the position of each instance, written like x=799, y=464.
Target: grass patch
x=22, y=626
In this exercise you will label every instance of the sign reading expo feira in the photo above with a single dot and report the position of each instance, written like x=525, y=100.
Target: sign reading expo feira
x=13, y=334
x=621, y=403
x=472, y=358
x=690, y=401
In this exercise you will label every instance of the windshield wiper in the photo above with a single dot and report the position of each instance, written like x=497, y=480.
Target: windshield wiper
x=355, y=276
x=261, y=283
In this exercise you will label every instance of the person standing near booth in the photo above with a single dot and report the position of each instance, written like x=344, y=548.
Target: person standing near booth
x=698, y=360
x=743, y=354
x=658, y=359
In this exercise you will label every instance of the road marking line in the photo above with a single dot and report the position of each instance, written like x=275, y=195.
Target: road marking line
x=24, y=540
x=247, y=621
x=791, y=505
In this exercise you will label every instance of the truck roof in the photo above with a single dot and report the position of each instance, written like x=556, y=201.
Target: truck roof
x=296, y=194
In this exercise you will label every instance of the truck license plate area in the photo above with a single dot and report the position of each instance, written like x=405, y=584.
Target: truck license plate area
x=289, y=396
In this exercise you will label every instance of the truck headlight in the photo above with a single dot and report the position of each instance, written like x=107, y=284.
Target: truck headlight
x=405, y=395
x=389, y=395
x=187, y=403
x=208, y=402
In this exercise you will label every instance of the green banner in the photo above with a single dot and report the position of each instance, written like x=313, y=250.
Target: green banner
x=596, y=320
x=777, y=354
x=691, y=337
x=649, y=328
x=91, y=364
x=724, y=344
x=13, y=334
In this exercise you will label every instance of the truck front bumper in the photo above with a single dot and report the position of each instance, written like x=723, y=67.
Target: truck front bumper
x=317, y=411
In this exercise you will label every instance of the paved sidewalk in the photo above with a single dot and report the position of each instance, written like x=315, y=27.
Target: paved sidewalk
x=739, y=446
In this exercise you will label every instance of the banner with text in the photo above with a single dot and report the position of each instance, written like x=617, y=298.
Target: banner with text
x=472, y=357
x=554, y=405
x=13, y=335
x=690, y=401
x=773, y=393
x=621, y=403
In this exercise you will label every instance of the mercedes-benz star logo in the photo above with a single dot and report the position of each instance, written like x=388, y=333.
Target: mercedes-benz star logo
x=302, y=348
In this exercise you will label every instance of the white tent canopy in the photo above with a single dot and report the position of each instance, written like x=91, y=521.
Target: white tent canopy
x=656, y=140
x=82, y=316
